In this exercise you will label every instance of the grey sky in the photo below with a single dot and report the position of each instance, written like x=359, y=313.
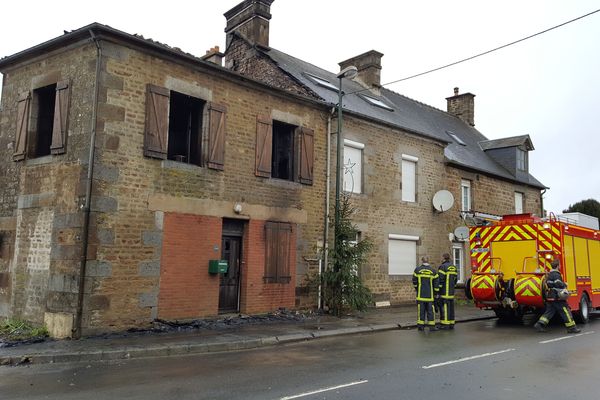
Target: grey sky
x=547, y=87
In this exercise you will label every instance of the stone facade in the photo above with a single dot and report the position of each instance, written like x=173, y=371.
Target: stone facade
x=154, y=223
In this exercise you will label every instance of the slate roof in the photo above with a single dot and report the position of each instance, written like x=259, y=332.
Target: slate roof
x=407, y=114
x=523, y=140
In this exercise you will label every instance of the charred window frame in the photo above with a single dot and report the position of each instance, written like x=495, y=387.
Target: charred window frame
x=283, y=163
x=278, y=246
x=186, y=114
x=184, y=128
x=284, y=151
x=42, y=117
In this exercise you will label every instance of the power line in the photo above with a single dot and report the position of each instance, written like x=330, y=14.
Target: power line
x=484, y=53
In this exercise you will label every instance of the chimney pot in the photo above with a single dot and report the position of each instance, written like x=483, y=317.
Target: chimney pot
x=462, y=106
x=250, y=19
x=214, y=56
x=369, y=69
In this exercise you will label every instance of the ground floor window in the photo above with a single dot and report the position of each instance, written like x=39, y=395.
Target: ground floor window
x=402, y=254
x=458, y=261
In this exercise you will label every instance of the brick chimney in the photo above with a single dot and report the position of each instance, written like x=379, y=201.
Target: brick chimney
x=462, y=106
x=369, y=69
x=214, y=56
x=250, y=19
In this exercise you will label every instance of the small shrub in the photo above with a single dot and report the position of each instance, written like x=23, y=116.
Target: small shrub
x=16, y=330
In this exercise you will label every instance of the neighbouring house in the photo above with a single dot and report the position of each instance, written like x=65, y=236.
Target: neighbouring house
x=130, y=169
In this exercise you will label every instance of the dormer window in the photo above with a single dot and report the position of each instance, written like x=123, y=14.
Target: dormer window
x=521, y=160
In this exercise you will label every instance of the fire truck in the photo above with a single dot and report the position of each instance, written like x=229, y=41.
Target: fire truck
x=510, y=256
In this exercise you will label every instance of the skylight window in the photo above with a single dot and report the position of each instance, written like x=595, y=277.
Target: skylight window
x=456, y=138
x=376, y=102
x=321, y=81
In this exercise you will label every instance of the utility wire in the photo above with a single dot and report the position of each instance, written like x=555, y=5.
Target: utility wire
x=484, y=53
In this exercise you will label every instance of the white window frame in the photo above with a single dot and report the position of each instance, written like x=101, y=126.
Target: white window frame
x=458, y=254
x=355, y=184
x=394, y=267
x=519, y=202
x=466, y=201
x=409, y=170
x=521, y=160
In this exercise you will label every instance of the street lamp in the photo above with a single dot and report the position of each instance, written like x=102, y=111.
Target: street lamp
x=348, y=73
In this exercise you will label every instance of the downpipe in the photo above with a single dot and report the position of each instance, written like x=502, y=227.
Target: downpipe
x=86, y=207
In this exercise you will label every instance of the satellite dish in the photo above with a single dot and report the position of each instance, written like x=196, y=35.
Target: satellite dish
x=461, y=233
x=443, y=200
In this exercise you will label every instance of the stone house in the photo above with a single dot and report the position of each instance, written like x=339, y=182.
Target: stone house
x=129, y=168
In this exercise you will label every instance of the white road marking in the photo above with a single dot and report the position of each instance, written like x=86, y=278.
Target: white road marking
x=466, y=359
x=566, y=337
x=323, y=390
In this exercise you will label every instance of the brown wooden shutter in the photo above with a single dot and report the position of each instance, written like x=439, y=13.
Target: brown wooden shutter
x=278, y=239
x=307, y=139
x=284, y=241
x=216, y=136
x=264, y=143
x=22, y=125
x=157, y=122
x=271, y=248
x=61, y=112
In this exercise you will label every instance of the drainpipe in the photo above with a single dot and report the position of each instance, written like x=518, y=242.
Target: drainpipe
x=542, y=202
x=88, y=195
x=324, y=265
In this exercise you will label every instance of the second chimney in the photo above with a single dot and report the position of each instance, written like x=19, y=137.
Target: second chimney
x=462, y=106
x=250, y=19
x=369, y=69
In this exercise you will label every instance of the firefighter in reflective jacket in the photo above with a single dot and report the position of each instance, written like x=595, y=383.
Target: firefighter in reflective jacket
x=425, y=281
x=448, y=276
x=556, y=302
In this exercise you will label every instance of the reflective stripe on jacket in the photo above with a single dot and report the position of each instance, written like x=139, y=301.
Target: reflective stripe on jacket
x=448, y=277
x=425, y=280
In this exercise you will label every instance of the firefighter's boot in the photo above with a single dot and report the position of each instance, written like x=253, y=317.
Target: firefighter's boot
x=573, y=329
x=539, y=327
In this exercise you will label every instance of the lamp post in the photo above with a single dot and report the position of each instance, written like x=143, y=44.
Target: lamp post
x=349, y=73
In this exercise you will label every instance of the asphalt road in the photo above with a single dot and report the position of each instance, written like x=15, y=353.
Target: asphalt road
x=478, y=360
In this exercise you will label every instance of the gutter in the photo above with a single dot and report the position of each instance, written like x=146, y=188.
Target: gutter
x=88, y=195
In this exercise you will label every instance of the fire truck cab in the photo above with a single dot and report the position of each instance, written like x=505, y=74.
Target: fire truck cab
x=511, y=256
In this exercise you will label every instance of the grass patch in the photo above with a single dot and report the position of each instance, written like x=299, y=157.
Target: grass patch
x=17, y=330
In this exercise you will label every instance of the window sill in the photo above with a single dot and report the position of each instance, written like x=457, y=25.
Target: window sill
x=39, y=160
x=400, y=277
x=180, y=166
x=283, y=183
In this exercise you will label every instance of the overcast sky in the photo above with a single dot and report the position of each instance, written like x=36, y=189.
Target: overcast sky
x=547, y=87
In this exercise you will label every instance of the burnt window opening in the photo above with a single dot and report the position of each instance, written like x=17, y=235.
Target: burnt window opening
x=185, y=128
x=42, y=121
x=282, y=164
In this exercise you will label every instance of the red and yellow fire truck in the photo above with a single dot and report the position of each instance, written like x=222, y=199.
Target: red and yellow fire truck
x=510, y=257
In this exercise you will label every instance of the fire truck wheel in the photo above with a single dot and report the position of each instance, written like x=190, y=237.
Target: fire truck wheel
x=468, y=289
x=583, y=315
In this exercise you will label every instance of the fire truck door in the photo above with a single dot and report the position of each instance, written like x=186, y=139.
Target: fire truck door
x=513, y=253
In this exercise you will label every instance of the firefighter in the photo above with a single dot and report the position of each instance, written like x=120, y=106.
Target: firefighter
x=555, y=303
x=448, y=275
x=425, y=281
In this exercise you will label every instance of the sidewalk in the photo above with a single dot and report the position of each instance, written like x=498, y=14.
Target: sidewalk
x=248, y=336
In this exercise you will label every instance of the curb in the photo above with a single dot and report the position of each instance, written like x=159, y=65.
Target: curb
x=137, y=352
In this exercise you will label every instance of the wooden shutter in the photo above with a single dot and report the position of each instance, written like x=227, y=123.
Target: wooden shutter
x=306, y=155
x=156, y=135
x=61, y=111
x=284, y=241
x=22, y=124
x=264, y=143
x=216, y=136
x=278, y=239
x=271, y=247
